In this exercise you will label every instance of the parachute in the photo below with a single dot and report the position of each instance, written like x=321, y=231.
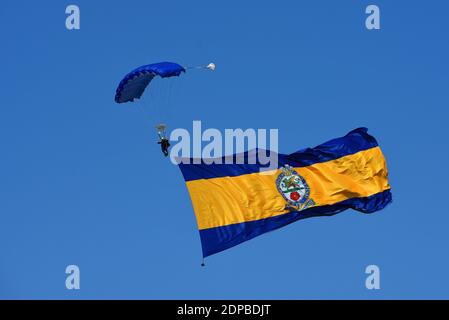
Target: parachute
x=133, y=85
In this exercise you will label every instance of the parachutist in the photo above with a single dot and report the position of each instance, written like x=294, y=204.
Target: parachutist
x=164, y=146
x=163, y=141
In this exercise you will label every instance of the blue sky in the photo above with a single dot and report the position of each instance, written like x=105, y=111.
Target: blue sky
x=83, y=182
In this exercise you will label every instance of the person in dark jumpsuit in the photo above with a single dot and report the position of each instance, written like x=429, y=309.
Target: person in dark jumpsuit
x=164, y=145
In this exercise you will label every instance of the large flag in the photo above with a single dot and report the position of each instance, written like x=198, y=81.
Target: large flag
x=236, y=202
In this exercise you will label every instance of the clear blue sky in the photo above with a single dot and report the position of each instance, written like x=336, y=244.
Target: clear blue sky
x=83, y=182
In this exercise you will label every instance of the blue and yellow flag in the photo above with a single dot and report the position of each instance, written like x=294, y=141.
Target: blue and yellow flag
x=236, y=202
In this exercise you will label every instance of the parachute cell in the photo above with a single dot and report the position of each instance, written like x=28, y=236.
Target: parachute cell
x=134, y=83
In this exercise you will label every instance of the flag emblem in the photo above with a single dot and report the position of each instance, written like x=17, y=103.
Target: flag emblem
x=294, y=189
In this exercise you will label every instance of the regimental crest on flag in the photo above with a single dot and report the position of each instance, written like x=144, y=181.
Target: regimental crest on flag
x=294, y=189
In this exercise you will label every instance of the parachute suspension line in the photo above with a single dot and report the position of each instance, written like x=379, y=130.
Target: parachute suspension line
x=171, y=83
x=161, y=131
x=211, y=66
x=141, y=107
x=149, y=105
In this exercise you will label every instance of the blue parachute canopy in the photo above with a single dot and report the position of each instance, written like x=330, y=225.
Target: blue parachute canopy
x=134, y=83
